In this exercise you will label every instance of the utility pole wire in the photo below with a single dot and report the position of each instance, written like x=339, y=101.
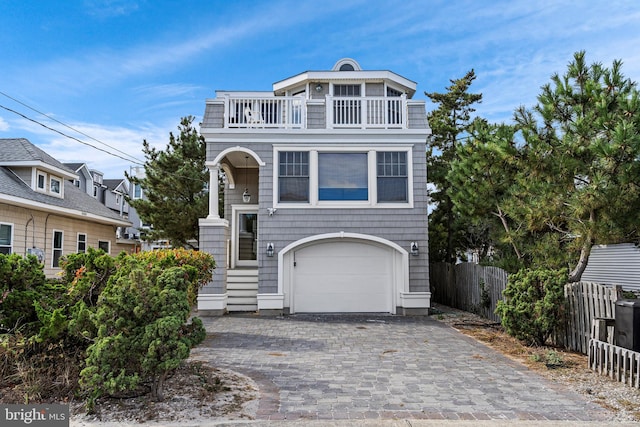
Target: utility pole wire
x=72, y=137
x=135, y=160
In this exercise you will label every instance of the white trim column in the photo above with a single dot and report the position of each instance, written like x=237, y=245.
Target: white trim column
x=214, y=171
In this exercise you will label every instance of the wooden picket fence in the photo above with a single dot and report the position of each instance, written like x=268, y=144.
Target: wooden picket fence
x=463, y=285
x=620, y=364
x=585, y=302
x=468, y=286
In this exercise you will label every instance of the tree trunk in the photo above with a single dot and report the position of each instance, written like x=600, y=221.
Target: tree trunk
x=157, y=388
x=585, y=251
x=503, y=219
x=576, y=274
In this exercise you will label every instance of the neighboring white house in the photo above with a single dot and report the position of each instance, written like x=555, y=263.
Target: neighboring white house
x=325, y=196
x=617, y=264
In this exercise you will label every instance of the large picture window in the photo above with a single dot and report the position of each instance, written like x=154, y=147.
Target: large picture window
x=342, y=176
x=392, y=170
x=6, y=238
x=293, y=176
x=349, y=176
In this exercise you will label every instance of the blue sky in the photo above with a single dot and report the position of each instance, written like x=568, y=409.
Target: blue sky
x=121, y=71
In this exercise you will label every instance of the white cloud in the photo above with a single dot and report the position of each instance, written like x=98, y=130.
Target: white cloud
x=4, y=126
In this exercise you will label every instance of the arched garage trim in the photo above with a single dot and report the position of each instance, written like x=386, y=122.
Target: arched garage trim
x=400, y=263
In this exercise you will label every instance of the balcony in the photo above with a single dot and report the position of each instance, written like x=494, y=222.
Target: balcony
x=282, y=112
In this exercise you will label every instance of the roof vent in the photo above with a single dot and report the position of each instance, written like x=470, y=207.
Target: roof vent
x=347, y=64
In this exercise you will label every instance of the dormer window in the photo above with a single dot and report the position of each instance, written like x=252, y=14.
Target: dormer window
x=41, y=183
x=55, y=186
x=347, y=64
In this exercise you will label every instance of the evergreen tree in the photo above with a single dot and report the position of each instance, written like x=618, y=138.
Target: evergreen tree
x=174, y=187
x=481, y=176
x=582, y=143
x=449, y=122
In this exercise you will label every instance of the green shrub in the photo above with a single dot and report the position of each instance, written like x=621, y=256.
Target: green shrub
x=21, y=281
x=142, y=332
x=534, y=304
x=167, y=258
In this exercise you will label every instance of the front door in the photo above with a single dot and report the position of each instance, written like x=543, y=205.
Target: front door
x=245, y=237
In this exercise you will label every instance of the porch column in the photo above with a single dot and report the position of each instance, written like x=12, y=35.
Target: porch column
x=214, y=171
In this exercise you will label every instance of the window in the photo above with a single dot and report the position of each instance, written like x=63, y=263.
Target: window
x=95, y=191
x=117, y=199
x=346, y=90
x=57, y=249
x=342, y=176
x=104, y=245
x=392, y=178
x=82, y=243
x=137, y=191
x=55, y=185
x=393, y=92
x=42, y=179
x=6, y=238
x=293, y=176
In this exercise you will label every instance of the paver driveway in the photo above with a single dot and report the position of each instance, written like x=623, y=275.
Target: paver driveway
x=381, y=367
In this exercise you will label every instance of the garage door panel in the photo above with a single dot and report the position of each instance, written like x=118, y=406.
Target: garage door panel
x=343, y=277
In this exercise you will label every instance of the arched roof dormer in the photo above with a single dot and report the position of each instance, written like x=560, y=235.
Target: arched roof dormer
x=347, y=64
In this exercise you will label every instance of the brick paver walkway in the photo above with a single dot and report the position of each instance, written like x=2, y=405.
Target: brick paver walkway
x=381, y=367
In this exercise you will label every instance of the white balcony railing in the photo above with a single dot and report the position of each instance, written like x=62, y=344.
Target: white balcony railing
x=266, y=112
x=367, y=112
x=282, y=112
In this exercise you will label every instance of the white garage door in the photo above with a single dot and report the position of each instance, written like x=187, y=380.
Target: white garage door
x=342, y=276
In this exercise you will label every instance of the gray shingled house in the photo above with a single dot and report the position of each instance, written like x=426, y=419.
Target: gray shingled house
x=325, y=202
x=43, y=213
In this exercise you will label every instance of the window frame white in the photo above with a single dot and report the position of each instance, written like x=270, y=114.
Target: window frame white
x=58, y=180
x=135, y=187
x=78, y=242
x=371, y=202
x=55, y=249
x=43, y=175
x=10, y=245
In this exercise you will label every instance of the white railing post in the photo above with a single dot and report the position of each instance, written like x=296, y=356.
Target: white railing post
x=404, y=111
x=330, y=107
x=364, y=121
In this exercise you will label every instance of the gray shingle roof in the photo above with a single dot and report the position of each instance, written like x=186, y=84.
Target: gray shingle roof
x=11, y=185
x=20, y=150
x=112, y=184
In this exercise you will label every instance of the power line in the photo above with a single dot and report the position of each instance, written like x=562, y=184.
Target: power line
x=131, y=159
x=72, y=137
x=68, y=127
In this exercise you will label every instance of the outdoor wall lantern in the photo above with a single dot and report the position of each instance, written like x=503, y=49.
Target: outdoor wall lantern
x=271, y=211
x=270, y=249
x=414, y=249
x=246, y=197
x=318, y=88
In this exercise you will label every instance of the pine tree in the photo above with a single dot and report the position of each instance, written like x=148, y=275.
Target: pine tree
x=174, y=187
x=582, y=143
x=449, y=121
